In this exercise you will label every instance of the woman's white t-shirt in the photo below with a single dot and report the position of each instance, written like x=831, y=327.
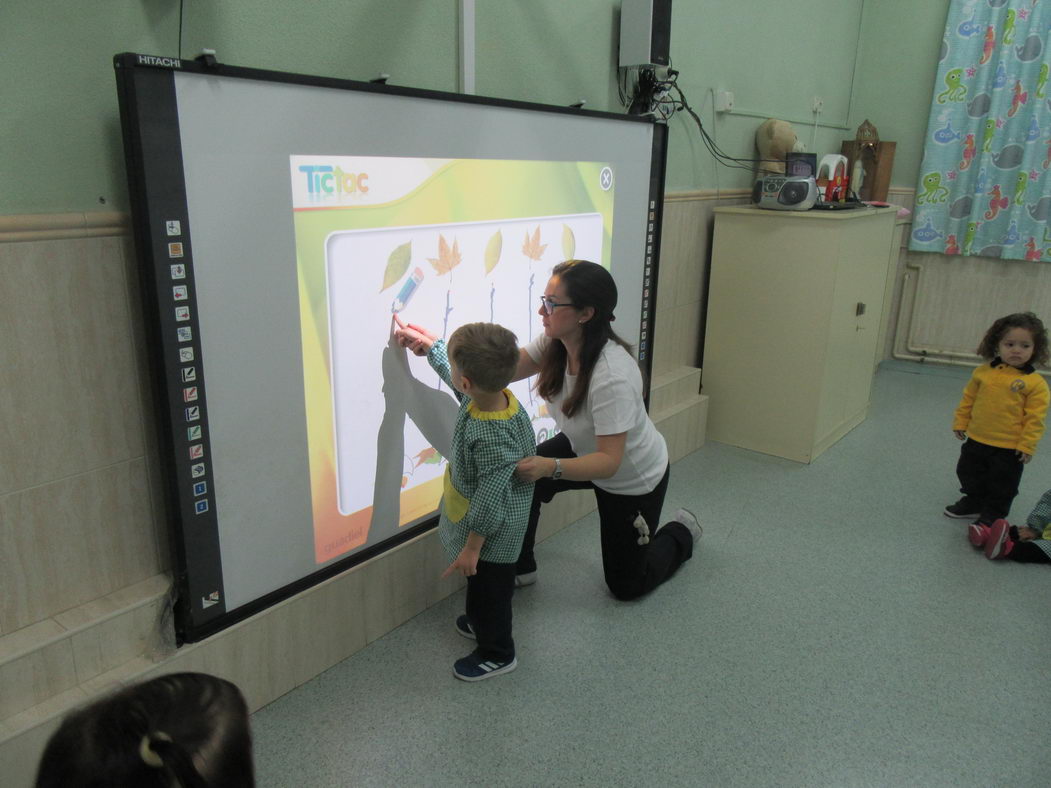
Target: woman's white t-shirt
x=614, y=405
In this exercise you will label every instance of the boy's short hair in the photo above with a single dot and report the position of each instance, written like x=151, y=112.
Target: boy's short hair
x=487, y=353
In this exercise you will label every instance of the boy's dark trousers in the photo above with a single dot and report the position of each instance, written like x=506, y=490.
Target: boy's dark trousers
x=489, y=595
x=989, y=476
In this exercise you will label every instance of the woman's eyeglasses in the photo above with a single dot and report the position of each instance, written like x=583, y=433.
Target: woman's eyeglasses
x=550, y=304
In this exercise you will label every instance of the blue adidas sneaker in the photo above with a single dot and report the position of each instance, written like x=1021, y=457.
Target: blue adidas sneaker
x=474, y=668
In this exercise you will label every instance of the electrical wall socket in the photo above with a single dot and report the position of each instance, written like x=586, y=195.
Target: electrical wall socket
x=817, y=104
x=724, y=101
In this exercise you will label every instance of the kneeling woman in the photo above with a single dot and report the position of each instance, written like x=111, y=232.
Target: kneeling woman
x=607, y=442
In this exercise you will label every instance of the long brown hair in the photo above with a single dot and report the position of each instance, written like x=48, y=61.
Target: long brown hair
x=586, y=284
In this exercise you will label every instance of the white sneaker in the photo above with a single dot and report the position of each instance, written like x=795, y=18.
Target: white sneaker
x=687, y=518
x=525, y=579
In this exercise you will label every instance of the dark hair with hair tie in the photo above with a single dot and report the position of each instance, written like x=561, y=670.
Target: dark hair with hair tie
x=587, y=284
x=186, y=729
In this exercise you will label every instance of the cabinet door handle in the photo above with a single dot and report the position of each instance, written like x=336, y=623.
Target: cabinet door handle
x=859, y=310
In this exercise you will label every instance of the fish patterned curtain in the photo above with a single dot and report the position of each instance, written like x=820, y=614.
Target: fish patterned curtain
x=984, y=186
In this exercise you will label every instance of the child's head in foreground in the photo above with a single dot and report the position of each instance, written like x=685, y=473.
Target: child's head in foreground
x=185, y=729
x=486, y=354
x=1018, y=339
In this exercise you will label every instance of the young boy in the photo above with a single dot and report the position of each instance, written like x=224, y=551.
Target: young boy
x=484, y=509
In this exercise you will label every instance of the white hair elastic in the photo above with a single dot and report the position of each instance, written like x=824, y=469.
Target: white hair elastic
x=147, y=753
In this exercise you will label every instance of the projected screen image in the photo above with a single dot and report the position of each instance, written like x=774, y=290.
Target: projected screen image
x=441, y=242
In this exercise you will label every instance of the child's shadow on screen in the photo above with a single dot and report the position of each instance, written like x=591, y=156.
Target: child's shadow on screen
x=432, y=411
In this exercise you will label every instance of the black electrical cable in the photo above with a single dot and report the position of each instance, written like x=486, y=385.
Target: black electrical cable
x=645, y=90
x=180, y=27
x=650, y=95
x=666, y=107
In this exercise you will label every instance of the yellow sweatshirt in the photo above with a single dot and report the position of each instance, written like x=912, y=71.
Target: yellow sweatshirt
x=1003, y=406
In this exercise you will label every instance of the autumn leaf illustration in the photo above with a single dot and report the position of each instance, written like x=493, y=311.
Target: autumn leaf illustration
x=448, y=258
x=569, y=243
x=397, y=265
x=492, y=251
x=532, y=248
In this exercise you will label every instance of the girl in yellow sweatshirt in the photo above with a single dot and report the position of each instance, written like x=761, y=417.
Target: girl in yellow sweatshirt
x=1000, y=417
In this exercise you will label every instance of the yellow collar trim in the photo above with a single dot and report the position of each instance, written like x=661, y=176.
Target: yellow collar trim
x=495, y=415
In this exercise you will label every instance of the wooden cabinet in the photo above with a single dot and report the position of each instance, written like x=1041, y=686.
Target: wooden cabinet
x=794, y=307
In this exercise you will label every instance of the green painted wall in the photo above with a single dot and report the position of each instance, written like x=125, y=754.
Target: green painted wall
x=895, y=80
x=775, y=58
x=60, y=127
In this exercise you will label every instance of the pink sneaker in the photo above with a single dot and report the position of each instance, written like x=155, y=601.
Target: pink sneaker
x=998, y=543
x=977, y=533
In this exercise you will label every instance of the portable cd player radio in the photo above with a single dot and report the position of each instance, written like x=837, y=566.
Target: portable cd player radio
x=785, y=192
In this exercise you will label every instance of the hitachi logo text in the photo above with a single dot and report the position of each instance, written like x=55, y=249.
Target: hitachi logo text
x=167, y=62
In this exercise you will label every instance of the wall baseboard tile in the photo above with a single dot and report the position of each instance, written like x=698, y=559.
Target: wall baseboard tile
x=57, y=226
x=703, y=195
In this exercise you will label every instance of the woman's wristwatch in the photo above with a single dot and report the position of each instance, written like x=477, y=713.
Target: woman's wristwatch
x=558, y=469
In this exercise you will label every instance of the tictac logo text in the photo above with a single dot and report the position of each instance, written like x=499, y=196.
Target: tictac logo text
x=323, y=180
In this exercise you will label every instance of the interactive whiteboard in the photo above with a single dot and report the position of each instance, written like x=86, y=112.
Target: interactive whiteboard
x=281, y=221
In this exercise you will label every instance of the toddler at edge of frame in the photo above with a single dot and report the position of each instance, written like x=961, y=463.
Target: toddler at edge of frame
x=1027, y=544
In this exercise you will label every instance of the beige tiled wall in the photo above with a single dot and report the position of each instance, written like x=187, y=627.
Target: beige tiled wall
x=70, y=398
x=74, y=540
x=681, y=282
x=76, y=516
